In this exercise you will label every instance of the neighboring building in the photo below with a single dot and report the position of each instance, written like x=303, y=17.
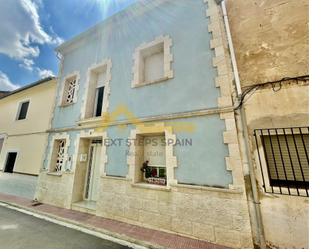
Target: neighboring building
x=271, y=43
x=4, y=93
x=166, y=63
x=25, y=115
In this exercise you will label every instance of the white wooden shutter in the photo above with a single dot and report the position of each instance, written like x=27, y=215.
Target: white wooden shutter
x=101, y=79
x=154, y=67
x=290, y=160
x=159, y=159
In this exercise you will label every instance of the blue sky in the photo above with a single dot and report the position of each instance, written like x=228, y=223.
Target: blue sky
x=31, y=29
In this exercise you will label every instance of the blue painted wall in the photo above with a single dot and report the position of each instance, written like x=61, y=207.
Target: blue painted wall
x=193, y=86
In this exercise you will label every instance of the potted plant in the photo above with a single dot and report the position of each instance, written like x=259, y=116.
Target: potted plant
x=151, y=175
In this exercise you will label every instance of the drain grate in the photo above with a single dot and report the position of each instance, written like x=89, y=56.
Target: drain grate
x=37, y=204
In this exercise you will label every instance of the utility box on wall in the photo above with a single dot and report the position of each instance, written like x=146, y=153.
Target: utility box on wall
x=83, y=158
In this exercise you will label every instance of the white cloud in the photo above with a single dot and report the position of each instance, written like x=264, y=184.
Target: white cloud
x=21, y=30
x=5, y=84
x=44, y=73
x=27, y=64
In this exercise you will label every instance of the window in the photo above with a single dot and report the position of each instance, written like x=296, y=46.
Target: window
x=22, y=110
x=287, y=158
x=10, y=162
x=99, y=95
x=152, y=62
x=60, y=155
x=154, y=152
x=97, y=89
x=69, y=89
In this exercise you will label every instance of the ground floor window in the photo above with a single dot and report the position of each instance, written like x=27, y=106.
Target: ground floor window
x=285, y=151
x=60, y=155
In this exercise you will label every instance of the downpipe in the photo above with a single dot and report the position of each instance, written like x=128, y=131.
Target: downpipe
x=243, y=128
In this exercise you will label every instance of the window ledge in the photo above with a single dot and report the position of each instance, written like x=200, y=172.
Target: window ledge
x=116, y=178
x=88, y=121
x=150, y=82
x=226, y=190
x=151, y=186
x=54, y=173
x=65, y=105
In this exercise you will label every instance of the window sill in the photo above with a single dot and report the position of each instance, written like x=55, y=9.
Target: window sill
x=65, y=105
x=89, y=121
x=150, y=82
x=54, y=173
x=150, y=186
x=116, y=178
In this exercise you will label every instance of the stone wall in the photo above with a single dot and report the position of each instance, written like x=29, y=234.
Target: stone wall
x=270, y=39
x=214, y=215
x=271, y=42
x=55, y=190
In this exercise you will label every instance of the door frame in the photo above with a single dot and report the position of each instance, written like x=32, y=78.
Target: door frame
x=6, y=157
x=92, y=170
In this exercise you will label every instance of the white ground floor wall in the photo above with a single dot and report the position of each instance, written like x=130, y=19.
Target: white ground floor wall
x=18, y=185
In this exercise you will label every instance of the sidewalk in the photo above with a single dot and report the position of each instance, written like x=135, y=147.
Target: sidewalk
x=135, y=234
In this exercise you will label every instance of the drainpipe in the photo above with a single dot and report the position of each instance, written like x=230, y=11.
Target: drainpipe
x=58, y=56
x=244, y=131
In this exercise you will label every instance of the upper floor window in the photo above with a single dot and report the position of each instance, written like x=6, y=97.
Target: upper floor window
x=99, y=94
x=152, y=62
x=22, y=110
x=69, y=89
x=97, y=89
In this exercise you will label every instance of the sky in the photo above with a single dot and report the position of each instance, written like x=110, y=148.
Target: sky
x=31, y=29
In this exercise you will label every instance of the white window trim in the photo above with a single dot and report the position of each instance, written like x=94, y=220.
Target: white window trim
x=171, y=160
x=87, y=104
x=168, y=58
x=56, y=137
x=63, y=95
x=6, y=156
x=19, y=108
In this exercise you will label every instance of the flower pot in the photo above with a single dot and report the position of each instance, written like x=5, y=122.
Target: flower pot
x=157, y=180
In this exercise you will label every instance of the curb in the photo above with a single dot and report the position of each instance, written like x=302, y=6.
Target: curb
x=88, y=227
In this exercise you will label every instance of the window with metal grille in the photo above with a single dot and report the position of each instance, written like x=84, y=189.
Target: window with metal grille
x=285, y=152
x=60, y=155
x=71, y=91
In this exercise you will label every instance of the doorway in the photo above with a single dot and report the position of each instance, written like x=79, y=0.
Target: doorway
x=10, y=162
x=93, y=171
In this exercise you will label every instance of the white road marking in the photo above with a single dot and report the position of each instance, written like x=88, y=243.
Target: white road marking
x=6, y=227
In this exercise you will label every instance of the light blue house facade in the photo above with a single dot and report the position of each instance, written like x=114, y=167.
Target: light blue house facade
x=151, y=83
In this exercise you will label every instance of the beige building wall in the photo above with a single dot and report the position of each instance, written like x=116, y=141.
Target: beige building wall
x=271, y=42
x=29, y=135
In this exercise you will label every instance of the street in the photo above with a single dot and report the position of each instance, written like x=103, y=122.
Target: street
x=19, y=230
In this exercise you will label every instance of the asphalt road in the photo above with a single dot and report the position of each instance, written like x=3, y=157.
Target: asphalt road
x=22, y=231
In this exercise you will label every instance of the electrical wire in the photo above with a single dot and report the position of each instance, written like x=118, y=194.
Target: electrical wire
x=254, y=88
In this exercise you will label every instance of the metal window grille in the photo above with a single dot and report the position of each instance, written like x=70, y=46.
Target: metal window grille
x=71, y=91
x=284, y=160
x=60, y=155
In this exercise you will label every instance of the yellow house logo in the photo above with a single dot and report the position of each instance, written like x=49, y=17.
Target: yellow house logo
x=144, y=127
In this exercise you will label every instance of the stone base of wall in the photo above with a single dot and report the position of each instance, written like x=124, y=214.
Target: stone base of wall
x=55, y=190
x=214, y=215
x=18, y=185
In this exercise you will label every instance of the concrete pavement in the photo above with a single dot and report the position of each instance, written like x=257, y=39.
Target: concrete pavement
x=21, y=231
